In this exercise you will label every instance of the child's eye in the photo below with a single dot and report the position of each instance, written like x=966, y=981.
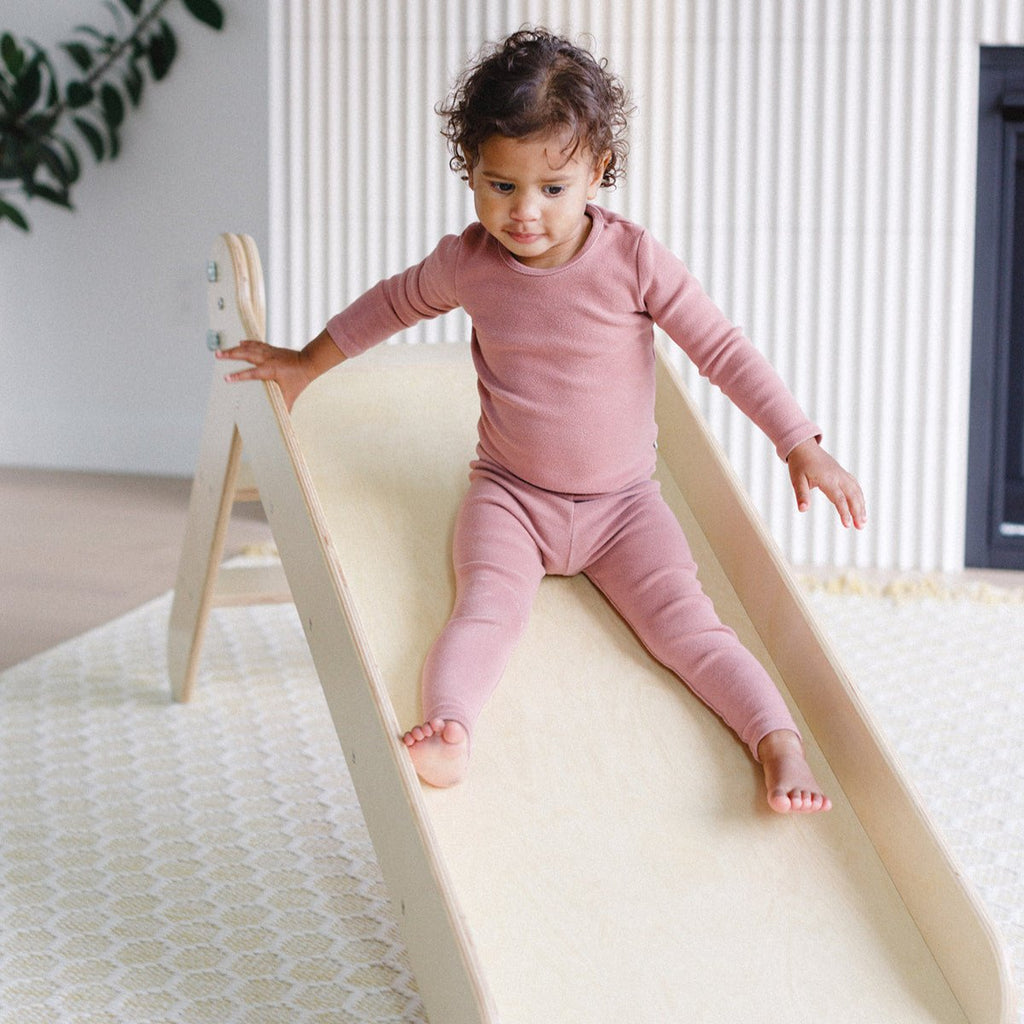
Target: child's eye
x=553, y=190
x=504, y=187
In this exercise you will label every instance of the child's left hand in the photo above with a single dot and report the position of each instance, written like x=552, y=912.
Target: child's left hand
x=811, y=466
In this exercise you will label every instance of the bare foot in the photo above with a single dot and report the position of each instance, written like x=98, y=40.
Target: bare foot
x=787, y=776
x=439, y=752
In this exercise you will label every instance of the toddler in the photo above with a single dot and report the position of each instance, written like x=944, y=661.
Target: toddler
x=563, y=295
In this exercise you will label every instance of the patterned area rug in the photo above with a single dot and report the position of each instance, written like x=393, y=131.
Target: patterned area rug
x=169, y=864
x=190, y=864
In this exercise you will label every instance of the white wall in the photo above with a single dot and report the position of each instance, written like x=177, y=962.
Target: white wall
x=812, y=160
x=103, y=311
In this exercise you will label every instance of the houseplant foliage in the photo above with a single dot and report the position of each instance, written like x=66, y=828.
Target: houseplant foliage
x=45, y=120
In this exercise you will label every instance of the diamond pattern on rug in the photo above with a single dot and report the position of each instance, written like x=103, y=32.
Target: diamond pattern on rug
x=187, y=863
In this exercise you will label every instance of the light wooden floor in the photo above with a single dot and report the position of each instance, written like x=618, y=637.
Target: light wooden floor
x=80, y=549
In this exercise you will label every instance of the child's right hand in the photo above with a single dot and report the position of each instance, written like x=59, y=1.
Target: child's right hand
x=284, y=365
x=292, y=370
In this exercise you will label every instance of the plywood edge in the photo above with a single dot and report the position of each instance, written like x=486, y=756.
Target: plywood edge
x=951, y=918
x=247, y=272
x=440, y=948
x=202, y=547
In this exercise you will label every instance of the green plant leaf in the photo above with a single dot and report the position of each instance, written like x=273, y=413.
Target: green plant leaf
x=56, y=162
x=133, y=5
x=18, y=159
x=115, y=11
x=72, y=164
x=106, y=41
x=79, y=94
x=58, y=196
x=163, y=48
x=92, y=136
x=52, y=161
x=36, y=126
x=52, y=93
x=28, y=87
x=133, y=83
x=80, y=54
x=13, y=214
x=6, y=100
x=13, y=54
x=113, y=105
x=9, y=171
x=207, y=11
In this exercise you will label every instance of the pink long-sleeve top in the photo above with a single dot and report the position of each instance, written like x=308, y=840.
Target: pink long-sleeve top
x=565, y=355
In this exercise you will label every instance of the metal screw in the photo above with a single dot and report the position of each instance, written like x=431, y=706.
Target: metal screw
x=213, y=340
x=211, y=271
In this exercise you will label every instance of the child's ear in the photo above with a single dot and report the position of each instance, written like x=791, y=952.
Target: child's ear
x=599, y=168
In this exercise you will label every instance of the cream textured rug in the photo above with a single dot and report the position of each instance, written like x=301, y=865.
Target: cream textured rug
x=165, y=864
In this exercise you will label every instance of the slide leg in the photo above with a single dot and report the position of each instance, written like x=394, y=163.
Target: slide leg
x=213, y=494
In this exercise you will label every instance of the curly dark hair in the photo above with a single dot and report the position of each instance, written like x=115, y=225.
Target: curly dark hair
x=533, y=82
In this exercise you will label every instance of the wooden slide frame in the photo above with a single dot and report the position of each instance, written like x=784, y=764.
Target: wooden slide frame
x=721, y=892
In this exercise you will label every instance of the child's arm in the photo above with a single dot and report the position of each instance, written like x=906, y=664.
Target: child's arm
x=424, y=290
x=292, y=370
x=811, y=466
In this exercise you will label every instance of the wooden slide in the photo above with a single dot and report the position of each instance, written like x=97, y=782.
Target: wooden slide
x=611, y=857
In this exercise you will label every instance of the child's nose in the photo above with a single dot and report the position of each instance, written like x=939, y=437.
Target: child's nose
x=524, y=208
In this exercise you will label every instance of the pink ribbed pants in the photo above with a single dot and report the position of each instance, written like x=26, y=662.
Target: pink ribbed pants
x=509, y=535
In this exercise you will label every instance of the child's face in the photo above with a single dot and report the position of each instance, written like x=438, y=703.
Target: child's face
x=532, y=200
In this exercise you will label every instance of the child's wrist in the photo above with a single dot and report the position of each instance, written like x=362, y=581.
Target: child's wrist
x=319, y=356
